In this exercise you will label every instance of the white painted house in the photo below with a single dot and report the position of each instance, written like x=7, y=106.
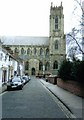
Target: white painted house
x=8, y=65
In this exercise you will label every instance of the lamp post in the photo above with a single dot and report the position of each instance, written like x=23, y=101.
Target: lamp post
x=43, y=69
x=43, y=64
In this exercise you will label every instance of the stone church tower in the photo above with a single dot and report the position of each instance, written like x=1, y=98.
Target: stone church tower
x=41, y=55
x=57, y=43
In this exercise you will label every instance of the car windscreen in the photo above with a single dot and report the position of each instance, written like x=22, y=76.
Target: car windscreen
x=25, y=77
x=16, y=80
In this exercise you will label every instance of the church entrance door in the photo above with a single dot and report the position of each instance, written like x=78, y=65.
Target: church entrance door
x=33, y=71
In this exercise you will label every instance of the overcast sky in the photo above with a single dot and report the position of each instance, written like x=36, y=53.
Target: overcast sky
x=31, y=17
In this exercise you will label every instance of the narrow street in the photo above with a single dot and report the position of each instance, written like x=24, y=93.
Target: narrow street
x=33, y=101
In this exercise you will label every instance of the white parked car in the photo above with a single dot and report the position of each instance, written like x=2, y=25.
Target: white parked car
x=15, y=83
x=26, y=78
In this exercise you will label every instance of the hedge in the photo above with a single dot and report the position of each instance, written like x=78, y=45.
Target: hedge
x=72, y=70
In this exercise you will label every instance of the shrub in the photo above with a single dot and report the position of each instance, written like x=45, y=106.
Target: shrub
x=72, y=70
x=65, y=70
x=80, y=72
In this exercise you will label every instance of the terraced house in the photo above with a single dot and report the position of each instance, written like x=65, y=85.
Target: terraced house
x=41, y=55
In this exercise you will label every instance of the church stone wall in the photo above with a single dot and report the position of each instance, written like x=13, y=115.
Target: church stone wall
x=56, y=46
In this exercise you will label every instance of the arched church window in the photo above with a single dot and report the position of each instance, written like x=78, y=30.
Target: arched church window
x=27, y=65
x=28, y=51
x=47, y=65
x=35, y=51
x=56, y=22
x=22, y=51
x=47, y=51
x=16, y=50
x=41, y=51
x=56, y=44
x=55, y=65
x=40, y=65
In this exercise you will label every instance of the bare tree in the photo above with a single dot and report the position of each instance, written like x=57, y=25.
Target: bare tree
x=75, y=38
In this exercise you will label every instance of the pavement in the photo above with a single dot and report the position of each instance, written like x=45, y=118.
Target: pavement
x=75, y=104
x=3, y=88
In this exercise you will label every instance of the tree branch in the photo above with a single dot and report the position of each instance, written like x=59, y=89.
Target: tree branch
x=76, y=43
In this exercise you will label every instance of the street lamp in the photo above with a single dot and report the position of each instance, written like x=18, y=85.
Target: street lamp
x=43, y=68
x=43, y=64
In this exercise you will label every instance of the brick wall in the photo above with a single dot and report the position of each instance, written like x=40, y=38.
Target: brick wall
x=72, y=86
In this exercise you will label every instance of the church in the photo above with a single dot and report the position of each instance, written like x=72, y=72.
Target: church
x=41, y=55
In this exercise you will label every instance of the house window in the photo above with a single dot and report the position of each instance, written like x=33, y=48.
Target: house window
x=55, y=65
x=56, y=44
x=56, y=23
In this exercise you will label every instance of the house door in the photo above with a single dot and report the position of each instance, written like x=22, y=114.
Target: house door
x=4, y=76
x=33, y=71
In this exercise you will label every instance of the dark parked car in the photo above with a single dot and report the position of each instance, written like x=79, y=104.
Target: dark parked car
x=15, y=83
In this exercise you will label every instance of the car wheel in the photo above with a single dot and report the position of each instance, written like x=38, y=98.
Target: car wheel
x=8, y=88
x=21, y=87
